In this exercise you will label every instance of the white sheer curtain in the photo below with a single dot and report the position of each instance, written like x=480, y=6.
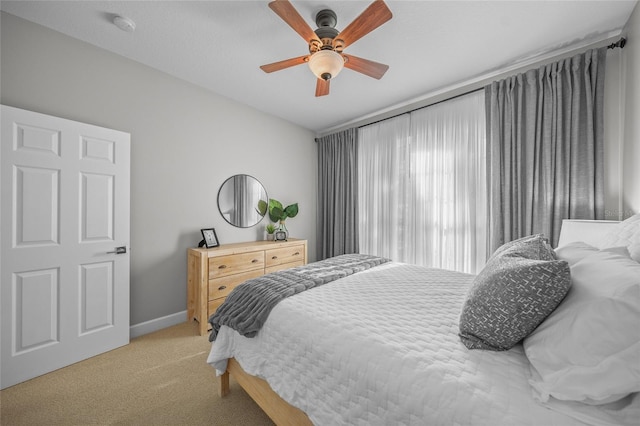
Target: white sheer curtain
x=422, y=186
x=383, y=185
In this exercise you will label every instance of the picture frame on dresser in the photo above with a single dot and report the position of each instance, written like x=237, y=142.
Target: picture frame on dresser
x=209, y=238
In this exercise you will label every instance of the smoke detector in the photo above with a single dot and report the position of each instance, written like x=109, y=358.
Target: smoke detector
x=124, y=23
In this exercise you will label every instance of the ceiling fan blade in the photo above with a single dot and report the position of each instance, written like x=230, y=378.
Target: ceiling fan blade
x=365, y=66
x=322, y=87
x=280, y=65
x=285, y=10
x=375, y=15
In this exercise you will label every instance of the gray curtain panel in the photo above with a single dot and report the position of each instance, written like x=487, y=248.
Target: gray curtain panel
x=337, y=194
x=545, y=148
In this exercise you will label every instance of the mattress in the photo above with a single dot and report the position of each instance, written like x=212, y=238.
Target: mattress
x=381, y=347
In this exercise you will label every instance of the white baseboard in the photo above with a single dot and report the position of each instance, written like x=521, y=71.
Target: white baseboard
x=157, y=324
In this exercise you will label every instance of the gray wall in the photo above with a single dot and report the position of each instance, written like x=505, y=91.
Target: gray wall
x=185, y=142
x=631, y=145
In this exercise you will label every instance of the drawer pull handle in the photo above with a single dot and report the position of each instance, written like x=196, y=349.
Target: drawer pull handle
x=296, y=253
x=222, y=266
x=254, y=261
x=222, y=287
x=274, y=257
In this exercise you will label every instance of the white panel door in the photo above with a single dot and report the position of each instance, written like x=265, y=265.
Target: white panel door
x=64, y=255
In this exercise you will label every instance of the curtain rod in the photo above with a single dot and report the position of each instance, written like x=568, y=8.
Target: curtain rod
x=422, y=107
x=620, y=43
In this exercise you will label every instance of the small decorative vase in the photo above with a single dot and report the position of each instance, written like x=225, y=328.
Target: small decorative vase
x=270, y=237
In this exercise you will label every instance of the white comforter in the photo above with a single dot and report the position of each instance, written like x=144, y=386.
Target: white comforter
x=381, y=347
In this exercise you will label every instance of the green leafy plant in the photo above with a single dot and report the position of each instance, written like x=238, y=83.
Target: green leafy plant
x=279, y=214
x=271, y=228
x=262, y=207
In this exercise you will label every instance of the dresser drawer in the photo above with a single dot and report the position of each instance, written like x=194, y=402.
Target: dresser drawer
x=212, y=306
x=223, y=266
x=283, y=255
x=221, y=287
x=282, y=266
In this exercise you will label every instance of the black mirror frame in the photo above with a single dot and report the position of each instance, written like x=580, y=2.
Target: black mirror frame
x=223, y=215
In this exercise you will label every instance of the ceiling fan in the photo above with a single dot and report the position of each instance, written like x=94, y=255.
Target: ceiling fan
x=326, y=44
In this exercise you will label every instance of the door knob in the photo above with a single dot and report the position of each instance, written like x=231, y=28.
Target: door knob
x=118, y=250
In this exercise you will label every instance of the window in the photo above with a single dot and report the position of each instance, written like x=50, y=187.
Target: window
x=422, y=186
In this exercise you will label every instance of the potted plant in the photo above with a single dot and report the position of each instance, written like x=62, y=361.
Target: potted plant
x=271, y=228
x=278, y=214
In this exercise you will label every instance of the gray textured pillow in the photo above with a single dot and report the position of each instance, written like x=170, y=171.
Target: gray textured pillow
x=512, y=295
x=531, y=247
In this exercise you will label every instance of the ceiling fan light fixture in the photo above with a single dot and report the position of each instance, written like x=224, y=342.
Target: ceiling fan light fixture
x=326, y=64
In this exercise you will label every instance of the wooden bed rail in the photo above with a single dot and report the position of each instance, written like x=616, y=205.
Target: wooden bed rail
x=279, y=410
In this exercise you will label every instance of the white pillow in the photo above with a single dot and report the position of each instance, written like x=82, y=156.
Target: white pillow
x=625, y=233
x=588, y=349
x=575, y=251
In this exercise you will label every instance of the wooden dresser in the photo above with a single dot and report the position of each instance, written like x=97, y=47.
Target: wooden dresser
x=213, y=273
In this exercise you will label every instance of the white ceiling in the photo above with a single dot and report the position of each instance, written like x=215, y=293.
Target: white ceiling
x=429, y=45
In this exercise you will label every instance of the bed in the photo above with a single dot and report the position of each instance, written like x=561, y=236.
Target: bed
x=384, y=346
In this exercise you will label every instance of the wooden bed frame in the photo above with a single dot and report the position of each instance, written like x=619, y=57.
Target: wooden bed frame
x=279, y=410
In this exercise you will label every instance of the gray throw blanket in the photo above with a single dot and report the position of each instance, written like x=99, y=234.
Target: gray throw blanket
x=247, y=307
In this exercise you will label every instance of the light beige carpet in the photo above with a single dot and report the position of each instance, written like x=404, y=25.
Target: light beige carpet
x=161, y=378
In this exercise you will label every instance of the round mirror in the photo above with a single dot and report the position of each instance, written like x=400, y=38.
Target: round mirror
x=242, y=201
